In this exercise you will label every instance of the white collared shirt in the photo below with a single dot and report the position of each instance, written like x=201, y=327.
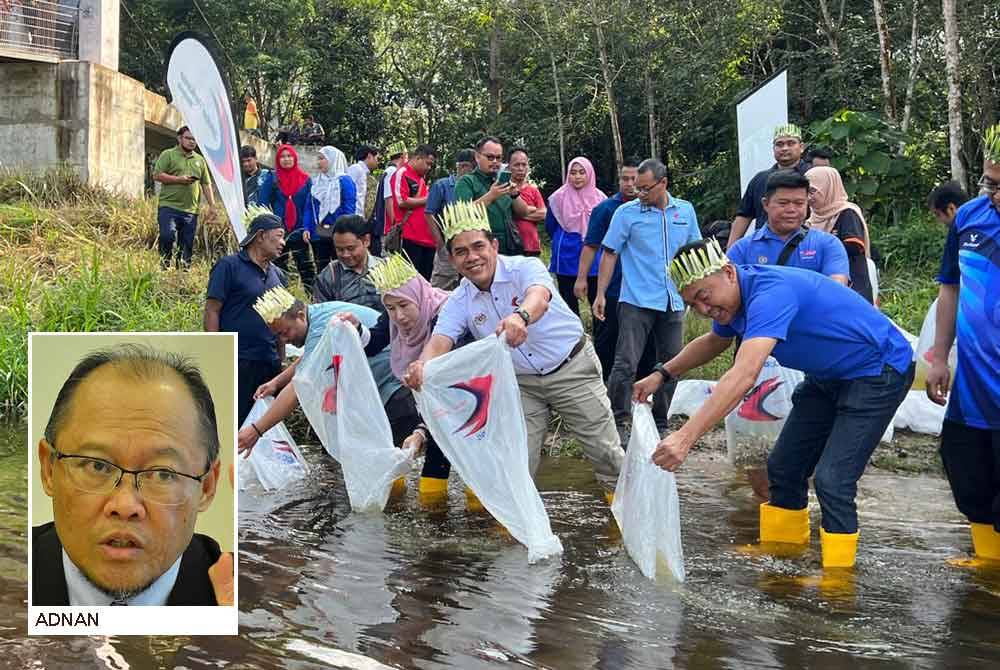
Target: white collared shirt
x=550, y=339
x=359, y=175
x=83, y=592
x=390, y=169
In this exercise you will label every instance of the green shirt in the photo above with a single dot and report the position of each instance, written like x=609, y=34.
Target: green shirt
x=182, y=197
x=475, y=185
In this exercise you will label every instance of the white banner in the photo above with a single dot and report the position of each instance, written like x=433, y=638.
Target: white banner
x=200, y=95
x=757, y=115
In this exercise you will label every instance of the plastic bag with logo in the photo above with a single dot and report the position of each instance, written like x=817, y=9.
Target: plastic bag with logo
x=471, y=403
x=646, y=505
x=339, y=397
x=754, y=425
x=275, y=461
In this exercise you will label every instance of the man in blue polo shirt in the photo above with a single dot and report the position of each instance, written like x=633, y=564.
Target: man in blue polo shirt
x=646, y=233
x=969, y=303
x=783, y=240
x=235, y=283
x=858, y=369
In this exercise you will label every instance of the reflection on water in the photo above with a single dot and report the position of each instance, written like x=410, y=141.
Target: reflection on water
x=440, y=588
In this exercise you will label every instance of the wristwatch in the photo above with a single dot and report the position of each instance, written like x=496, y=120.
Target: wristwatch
x=523, y=313
x=667, y=377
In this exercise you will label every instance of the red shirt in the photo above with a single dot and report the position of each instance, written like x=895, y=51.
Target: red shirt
x=407, y=183
x=529, y=229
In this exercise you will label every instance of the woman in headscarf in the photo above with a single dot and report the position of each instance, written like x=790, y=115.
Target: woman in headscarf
x=333, y=194
x=288, y=193
x=566, y=222
x=833, y=213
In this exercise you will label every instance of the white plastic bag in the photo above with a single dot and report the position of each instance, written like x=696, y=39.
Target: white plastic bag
x=923, y=351
x=472, y=405
x=275, y=460
x=646, y=505
x=754, y=425
x=339, y=397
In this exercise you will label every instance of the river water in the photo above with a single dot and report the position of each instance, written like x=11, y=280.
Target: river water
x=443, y=588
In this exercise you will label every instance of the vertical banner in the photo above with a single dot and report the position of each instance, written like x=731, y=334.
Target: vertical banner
x=758, y=113
x=199, y=93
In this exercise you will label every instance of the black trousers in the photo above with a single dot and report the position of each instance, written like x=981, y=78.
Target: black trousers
x=301, y=251
x=322, y=248
x=606, y=342
x=249, y=376
x=971, y=458
x=403, y=418
x=422, y=257
x=565, y=284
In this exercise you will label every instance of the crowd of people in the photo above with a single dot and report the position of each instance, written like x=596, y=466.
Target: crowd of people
x=433, y=266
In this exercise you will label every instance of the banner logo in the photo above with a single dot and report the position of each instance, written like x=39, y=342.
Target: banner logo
x=481, y=388
x=752, y=407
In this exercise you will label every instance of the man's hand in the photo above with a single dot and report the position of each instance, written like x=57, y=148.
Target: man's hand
x=938, y=381
x=348, y=317
x=671, y=452
x=246, y=439
x=646, y=387
x=597, y=309
x=305, y=236
x=189, y=179
x=414, y=377
x=417, y=441
x=515, y=328
x=497, y=190
x=580, y=287
x=221, y=574
x=266, y=389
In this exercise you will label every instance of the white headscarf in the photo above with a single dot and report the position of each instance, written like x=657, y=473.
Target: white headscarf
x=326, y=185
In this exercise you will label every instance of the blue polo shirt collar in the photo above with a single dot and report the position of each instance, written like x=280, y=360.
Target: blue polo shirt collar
x=766, y=233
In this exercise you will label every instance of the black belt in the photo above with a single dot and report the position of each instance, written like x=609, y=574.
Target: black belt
x=576, y=349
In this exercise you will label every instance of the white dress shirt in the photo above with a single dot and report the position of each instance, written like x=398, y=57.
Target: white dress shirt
x=387, y=189
x=550, y=339
x=359, y=175
x=83, y=592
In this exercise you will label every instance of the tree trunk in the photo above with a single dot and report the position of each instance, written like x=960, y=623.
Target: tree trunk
x=911, y=79
x=555, y=85
x=494, y=83
x=616, y=135
x=654, y=145
x=952, y=62
x=885, y=60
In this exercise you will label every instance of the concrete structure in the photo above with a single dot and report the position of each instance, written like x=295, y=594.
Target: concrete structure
x=99, y=32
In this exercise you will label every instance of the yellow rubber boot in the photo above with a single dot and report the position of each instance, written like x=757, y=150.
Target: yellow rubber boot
x=985, y=546
x=472, y=503
x=839, y=549
x=783, y=532
x=398, y=488
x=432, y=490
x=610, y=497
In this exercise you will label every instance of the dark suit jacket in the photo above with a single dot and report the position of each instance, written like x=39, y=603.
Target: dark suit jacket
x=192, y=587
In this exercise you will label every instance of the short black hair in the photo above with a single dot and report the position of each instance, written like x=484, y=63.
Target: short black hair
x=948, y=193
x=247, y=151
x=364, y=150
x=819, y=152
x=514, y=150
x=354, y=224
x=785, y=179
x=487, y=233
x=142, y=362
x=424, y=150
x=632, y=161
x=486, y=140
x=182, y=130
x=655, y=166
x=466, y=156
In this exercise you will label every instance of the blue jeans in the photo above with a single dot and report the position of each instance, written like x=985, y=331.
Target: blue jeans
x=178, y=226
x=832, y=430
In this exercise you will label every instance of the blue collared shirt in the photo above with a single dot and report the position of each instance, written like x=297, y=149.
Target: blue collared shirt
x=442, y=193
x=83, y=592
x=646, y=239
x=597, y=228
x=237, y=282
x=822, y=327
x=818, y=251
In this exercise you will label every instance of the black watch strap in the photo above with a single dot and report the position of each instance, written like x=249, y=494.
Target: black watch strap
x=667, y=377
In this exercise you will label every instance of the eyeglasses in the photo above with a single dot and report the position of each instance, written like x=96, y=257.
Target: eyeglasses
x=645, y=191
x=988, y=185
x=491, y=157
x=161, y=486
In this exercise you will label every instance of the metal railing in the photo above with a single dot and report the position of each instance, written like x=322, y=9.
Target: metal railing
x=49, y=27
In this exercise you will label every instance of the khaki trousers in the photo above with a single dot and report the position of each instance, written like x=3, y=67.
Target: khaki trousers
x=577, y=393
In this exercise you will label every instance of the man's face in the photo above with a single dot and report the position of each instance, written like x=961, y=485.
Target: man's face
x=488, y=158
x=186, y=141
x=717, y=296
x=371, y=160
x=518, y=166
x=649, y=188
x=352, y=250
x=626, y=181
x=290, y=330
x=945, y=216
x=270, y=243
x=119, y=540
x=422, y=164
x=990, y=182
x=786, y=209
x=788, y=151
x=249, y=165
x=474, y=256
x=464, y=168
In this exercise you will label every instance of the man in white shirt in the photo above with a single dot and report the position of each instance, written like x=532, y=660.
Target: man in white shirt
x=367, y=159
x=398, y=157
x=557, y=368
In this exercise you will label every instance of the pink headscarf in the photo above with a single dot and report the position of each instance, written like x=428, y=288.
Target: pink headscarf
x=572, y=206
x=830, y=200
x=405, y=346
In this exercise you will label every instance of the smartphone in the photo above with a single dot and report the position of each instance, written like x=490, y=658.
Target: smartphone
x=503, y=177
